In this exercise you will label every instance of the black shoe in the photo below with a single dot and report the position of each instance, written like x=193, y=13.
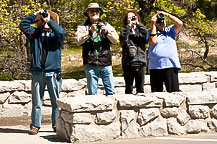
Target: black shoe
x=54, y=129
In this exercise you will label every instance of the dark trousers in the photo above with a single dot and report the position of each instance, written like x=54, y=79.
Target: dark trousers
x=131, y=73
x=169, y=76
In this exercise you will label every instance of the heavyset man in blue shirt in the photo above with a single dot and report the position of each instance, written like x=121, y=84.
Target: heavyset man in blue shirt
x=163, y=56
x=45, y=41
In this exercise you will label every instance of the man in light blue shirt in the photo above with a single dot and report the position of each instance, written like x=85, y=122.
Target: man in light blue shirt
x=163, y=56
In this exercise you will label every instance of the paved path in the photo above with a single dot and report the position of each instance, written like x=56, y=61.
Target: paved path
x=19, y=135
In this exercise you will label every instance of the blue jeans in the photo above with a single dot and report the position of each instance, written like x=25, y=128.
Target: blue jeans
x=39, y=81
x=92, y=74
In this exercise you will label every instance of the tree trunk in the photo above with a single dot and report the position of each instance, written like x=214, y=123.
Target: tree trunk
x=206, y=50
x=146, y=6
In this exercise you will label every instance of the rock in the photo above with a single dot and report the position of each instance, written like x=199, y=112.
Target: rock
x=174, y=99
x=28, y=110
x=8, y=86
x=174, y=127
x=119, y=82
x=76, y=118
x=105, y=117
x=147, y=115
x=213, y=75
x=205, y=97
x=61, y=130
x=199, y=111
x=11, y=110
x=196, y=126
x=147, y=89
x=191, y=87
x=192, y=78
x=26, y=83
x=170, y=112
x=129, y=127
x=76, y=93
x=86, y=103
x=214, y=111
x=47, y=102
x=82, y=133
x=213, y=124
x=208, y=86
x=19, y=98
x=129, y=101
x=72, y=85
x=183, y=117
x=158, y=127
x=111, y=131
x=4, y=97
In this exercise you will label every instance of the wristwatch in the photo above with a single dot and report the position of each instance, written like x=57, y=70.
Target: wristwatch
x=153, y=34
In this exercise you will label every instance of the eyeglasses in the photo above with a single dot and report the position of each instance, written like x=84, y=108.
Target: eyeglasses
x=94, y=11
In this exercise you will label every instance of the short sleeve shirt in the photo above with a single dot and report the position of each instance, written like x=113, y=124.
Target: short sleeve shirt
x=164, y=53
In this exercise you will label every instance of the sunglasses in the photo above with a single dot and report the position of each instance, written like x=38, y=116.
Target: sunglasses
x=94, y=11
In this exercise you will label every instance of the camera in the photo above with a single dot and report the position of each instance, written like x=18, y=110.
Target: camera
x=160, y=18
x=99, y=25
x=133, y=18
x=44, y=14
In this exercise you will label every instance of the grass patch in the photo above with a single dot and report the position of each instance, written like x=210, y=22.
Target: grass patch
x=72, y=72
x=117, y=70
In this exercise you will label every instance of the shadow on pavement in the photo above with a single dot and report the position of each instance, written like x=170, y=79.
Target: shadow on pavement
x=53, y=138
x=8, y=130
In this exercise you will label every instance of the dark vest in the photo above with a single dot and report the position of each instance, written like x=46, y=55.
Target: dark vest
x=89, y=54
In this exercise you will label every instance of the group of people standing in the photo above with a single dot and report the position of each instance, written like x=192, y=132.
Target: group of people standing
x=95, y=36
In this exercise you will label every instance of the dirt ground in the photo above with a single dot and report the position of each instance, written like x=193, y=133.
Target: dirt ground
x=24, y=121
x=15, y=130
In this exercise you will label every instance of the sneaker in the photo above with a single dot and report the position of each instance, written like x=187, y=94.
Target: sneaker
x=33, y=131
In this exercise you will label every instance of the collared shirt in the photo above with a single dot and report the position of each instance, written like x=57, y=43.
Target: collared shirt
x=164, y=53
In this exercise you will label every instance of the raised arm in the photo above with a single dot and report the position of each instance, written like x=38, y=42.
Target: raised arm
x=25, y=25
x=178, y=23
x=82, y=34
x=152, y=39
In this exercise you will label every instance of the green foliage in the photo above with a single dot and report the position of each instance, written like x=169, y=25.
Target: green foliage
x=198, y=17
x=204, y=26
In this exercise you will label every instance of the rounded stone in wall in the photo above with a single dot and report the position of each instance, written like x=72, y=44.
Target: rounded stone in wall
x=199, y=111
x=213, y=111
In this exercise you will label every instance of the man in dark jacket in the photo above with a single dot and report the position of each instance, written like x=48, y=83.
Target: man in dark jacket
x=133, y=40
x=95, y=35
x=45, y=41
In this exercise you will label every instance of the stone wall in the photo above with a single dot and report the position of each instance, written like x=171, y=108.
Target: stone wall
x=96, y=118
x=15, y=96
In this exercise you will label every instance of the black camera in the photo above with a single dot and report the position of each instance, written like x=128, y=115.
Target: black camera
x=99, y=25
x=44, y=14
x=160, y=18
x=133, y=18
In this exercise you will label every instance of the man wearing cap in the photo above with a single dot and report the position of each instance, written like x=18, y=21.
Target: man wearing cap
x=95, y=35
x=162, y=53
x=45, y=41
